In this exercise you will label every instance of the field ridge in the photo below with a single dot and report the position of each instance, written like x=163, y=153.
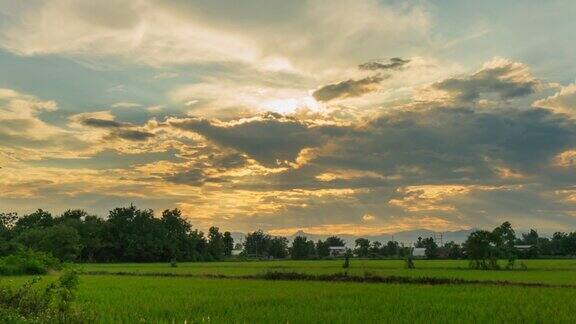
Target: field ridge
x=338, y=277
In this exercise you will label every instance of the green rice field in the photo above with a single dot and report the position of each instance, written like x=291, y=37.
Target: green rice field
x=124, y=295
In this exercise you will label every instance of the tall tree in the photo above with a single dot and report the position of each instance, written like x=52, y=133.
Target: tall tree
x=228, y=243
x=257, y=244
x=302, y=248
x=362, y=247
x=216, y=246
x=278, y=247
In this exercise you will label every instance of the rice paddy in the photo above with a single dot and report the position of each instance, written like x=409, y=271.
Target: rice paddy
x=191, y=293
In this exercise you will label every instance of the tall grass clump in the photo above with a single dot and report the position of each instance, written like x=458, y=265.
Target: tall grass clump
x=28, y=262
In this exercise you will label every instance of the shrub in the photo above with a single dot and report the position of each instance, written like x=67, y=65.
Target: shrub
x=31, y=303
x=28, y=262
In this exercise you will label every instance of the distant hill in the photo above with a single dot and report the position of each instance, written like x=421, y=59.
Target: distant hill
x=405, y=237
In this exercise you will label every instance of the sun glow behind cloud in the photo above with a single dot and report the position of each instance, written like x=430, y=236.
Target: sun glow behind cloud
x=348, y=116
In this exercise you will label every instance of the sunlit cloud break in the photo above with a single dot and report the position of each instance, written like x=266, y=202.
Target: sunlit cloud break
x=348, y=117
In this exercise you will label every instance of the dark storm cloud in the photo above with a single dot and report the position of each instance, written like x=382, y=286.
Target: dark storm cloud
x=194, y=177
x=507, y=80
x=347, y=89
x=102, y=123
x=434, y=145
x=395, y=63
x=118, y=130
x=270, y=139
x=229, y=161
x=132, y=135
x=465, y=144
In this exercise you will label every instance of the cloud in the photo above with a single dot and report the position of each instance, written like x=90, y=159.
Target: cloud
x=459, y=144
x=103, y=123
x=115, y=130
x=271, y=139
x=125, y=104
x=395, y=63
x=159, y=33
x=500, y=77
x=564, y=101
x=23, y=132
x=444, y=164
x=347, y=89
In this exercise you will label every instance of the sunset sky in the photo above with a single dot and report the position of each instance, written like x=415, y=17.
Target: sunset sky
x=351, y=116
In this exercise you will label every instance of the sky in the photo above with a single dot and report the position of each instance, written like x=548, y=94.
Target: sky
x=341, y=116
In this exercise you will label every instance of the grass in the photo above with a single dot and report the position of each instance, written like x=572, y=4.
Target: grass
x=302, y=299
x=131, y=299
x=543, y=271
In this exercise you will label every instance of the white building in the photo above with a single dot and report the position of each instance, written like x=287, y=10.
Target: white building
x=419, y=252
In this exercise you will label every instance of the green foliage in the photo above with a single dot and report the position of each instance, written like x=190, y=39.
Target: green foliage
x=216, y=246
x=362, y=248
x=261, y=245
x=278, y=248
x=431, y=251
x=28, y=262
x=33, y=303
x=302, y=248
x=257, y=244
x=130, y=234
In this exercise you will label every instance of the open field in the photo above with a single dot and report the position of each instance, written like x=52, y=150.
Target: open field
x=544, y=271
x=154, y=299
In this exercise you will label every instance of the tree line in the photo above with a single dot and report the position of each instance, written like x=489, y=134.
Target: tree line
x=130, y=234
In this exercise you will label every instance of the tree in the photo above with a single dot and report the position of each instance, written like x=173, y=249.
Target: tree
x=228, y=243
x=38, y=219
x=431, y=248
x=323, y=247
x=419, y=243
x=375, y=249
x=504, y=236
x=530, y=238
x=302, y=248
x=362, y=247
x=392, y=248
x=453, y=250
x=278, y=247
x=335, y=241
x=257, y=244
x=136, y=235
x=480, y=250
x=216, y=247
x=61, y=241
x=7, y=222
x=91, y=231
x=177, y=230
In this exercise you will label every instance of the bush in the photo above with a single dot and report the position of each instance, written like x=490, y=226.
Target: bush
x=28, y=262
x=31, y=303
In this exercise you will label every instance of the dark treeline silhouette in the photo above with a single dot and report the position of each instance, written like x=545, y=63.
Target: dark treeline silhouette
x=130, y=234
x=127, y=235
